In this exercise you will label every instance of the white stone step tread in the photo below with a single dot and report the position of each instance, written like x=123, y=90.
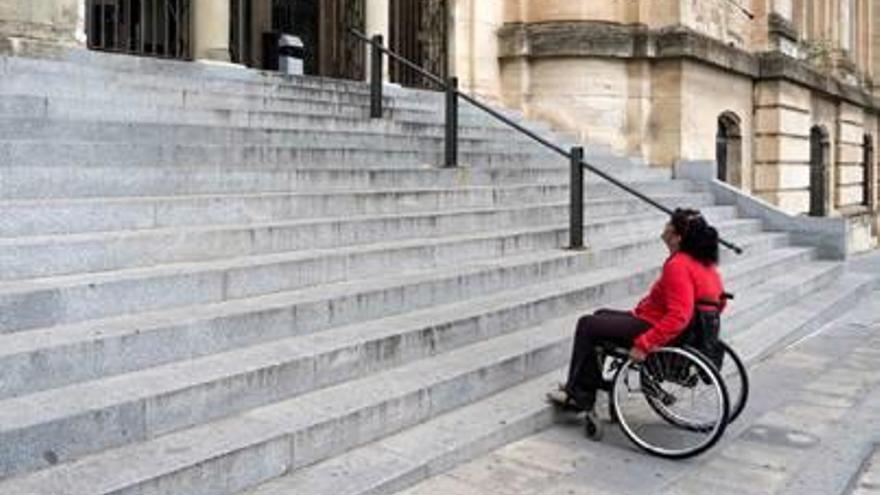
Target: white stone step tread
x=277, y=411
x=116, y=236
x=28, y=125
x=790, y=283
x=66, y=109
x=11, y=287
x=144, y=322
x=389, y=465
x=111, y=201
x=105, y=471
x=64, y=216
x=44, y=407
x=431, y=448
x=114, y=345
x=809, y=311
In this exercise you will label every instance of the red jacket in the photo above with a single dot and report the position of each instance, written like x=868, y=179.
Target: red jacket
x=669, y=306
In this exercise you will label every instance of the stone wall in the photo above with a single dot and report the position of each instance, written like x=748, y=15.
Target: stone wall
x=474, y=46
x=58, y=21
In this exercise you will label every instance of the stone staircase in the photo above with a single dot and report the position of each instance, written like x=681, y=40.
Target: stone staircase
x=223, y=282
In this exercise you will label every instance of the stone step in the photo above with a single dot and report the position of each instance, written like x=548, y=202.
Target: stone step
x=800, y=318
x=239, y=452
x=762, y=302
x=809, y=312
x=54, y=356
x=257, y=446
x=68, y=216
x=273, y=98
x=38, y=110
x=22, y=182
x=147, y=90
x=293, y=115
x=288, y=114
x=122, y=67
x=384, y=153
x=387, y=151
x=123, y=71
x=397, y=462
x=33, y=303
x=63, y=132
x=52, y=255
x=188, y=393
x=85, y=81
x=195, y=78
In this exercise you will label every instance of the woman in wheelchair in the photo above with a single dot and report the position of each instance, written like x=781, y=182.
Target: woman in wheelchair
x=689, y=279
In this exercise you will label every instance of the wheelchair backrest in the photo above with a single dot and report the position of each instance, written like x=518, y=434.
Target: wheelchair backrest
x=704, y=329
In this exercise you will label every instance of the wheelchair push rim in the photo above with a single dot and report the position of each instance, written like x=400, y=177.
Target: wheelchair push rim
x=738, y=393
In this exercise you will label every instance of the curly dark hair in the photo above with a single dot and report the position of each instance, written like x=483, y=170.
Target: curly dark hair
x=698, y=238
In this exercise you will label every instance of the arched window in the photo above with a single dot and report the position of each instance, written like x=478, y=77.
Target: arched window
x=728, y=148
x=819, y=146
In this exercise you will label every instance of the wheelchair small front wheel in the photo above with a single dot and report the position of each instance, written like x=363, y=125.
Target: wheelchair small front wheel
x=674, y=404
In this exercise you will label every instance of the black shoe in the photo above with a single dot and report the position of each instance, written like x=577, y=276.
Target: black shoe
x=562, y=400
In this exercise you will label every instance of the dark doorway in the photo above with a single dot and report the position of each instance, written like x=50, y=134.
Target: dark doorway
x=818, y=170
x=322, y=26
x=868, y=172
x=419, y=32
x=728, y=148
x=158, y=28
x=241, y=22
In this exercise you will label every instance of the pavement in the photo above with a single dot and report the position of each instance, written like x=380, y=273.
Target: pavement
x=812, y=426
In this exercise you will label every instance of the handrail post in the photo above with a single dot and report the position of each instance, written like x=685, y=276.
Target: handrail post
x=576, y=205
x=451, y=134
x=376, y=77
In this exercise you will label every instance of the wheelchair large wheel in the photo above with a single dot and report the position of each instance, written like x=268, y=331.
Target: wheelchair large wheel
x=736, y=380
x=673, y=404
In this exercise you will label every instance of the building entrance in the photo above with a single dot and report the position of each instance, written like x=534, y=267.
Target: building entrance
x=419, y=32
x=321, y=24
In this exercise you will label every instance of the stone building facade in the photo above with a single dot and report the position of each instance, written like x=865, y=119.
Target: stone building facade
x=779, y=93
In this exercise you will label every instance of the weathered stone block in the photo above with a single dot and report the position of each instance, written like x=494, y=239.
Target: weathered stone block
x=769, y=177
x=776, y=92
x=851, y=133
x=850, y=153
x=781, y=120
x=781, y=149
x=850, y=174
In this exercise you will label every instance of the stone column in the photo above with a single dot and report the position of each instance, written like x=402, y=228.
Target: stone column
x=211, y=29
x=781, y=169
x=53, y=21
x=378, y=22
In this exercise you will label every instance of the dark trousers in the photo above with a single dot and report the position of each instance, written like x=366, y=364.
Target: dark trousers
x=585, y=371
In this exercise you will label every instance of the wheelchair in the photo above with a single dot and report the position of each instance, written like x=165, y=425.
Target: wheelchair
x=678, y=402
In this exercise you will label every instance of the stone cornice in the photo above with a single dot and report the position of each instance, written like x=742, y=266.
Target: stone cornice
x=610, y=40
x=775, y=65
x=602, y=39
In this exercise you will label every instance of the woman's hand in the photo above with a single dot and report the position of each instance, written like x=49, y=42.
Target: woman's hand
x=637, y=354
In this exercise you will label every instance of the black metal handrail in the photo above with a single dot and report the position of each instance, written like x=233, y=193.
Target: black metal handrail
x=575, y=156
